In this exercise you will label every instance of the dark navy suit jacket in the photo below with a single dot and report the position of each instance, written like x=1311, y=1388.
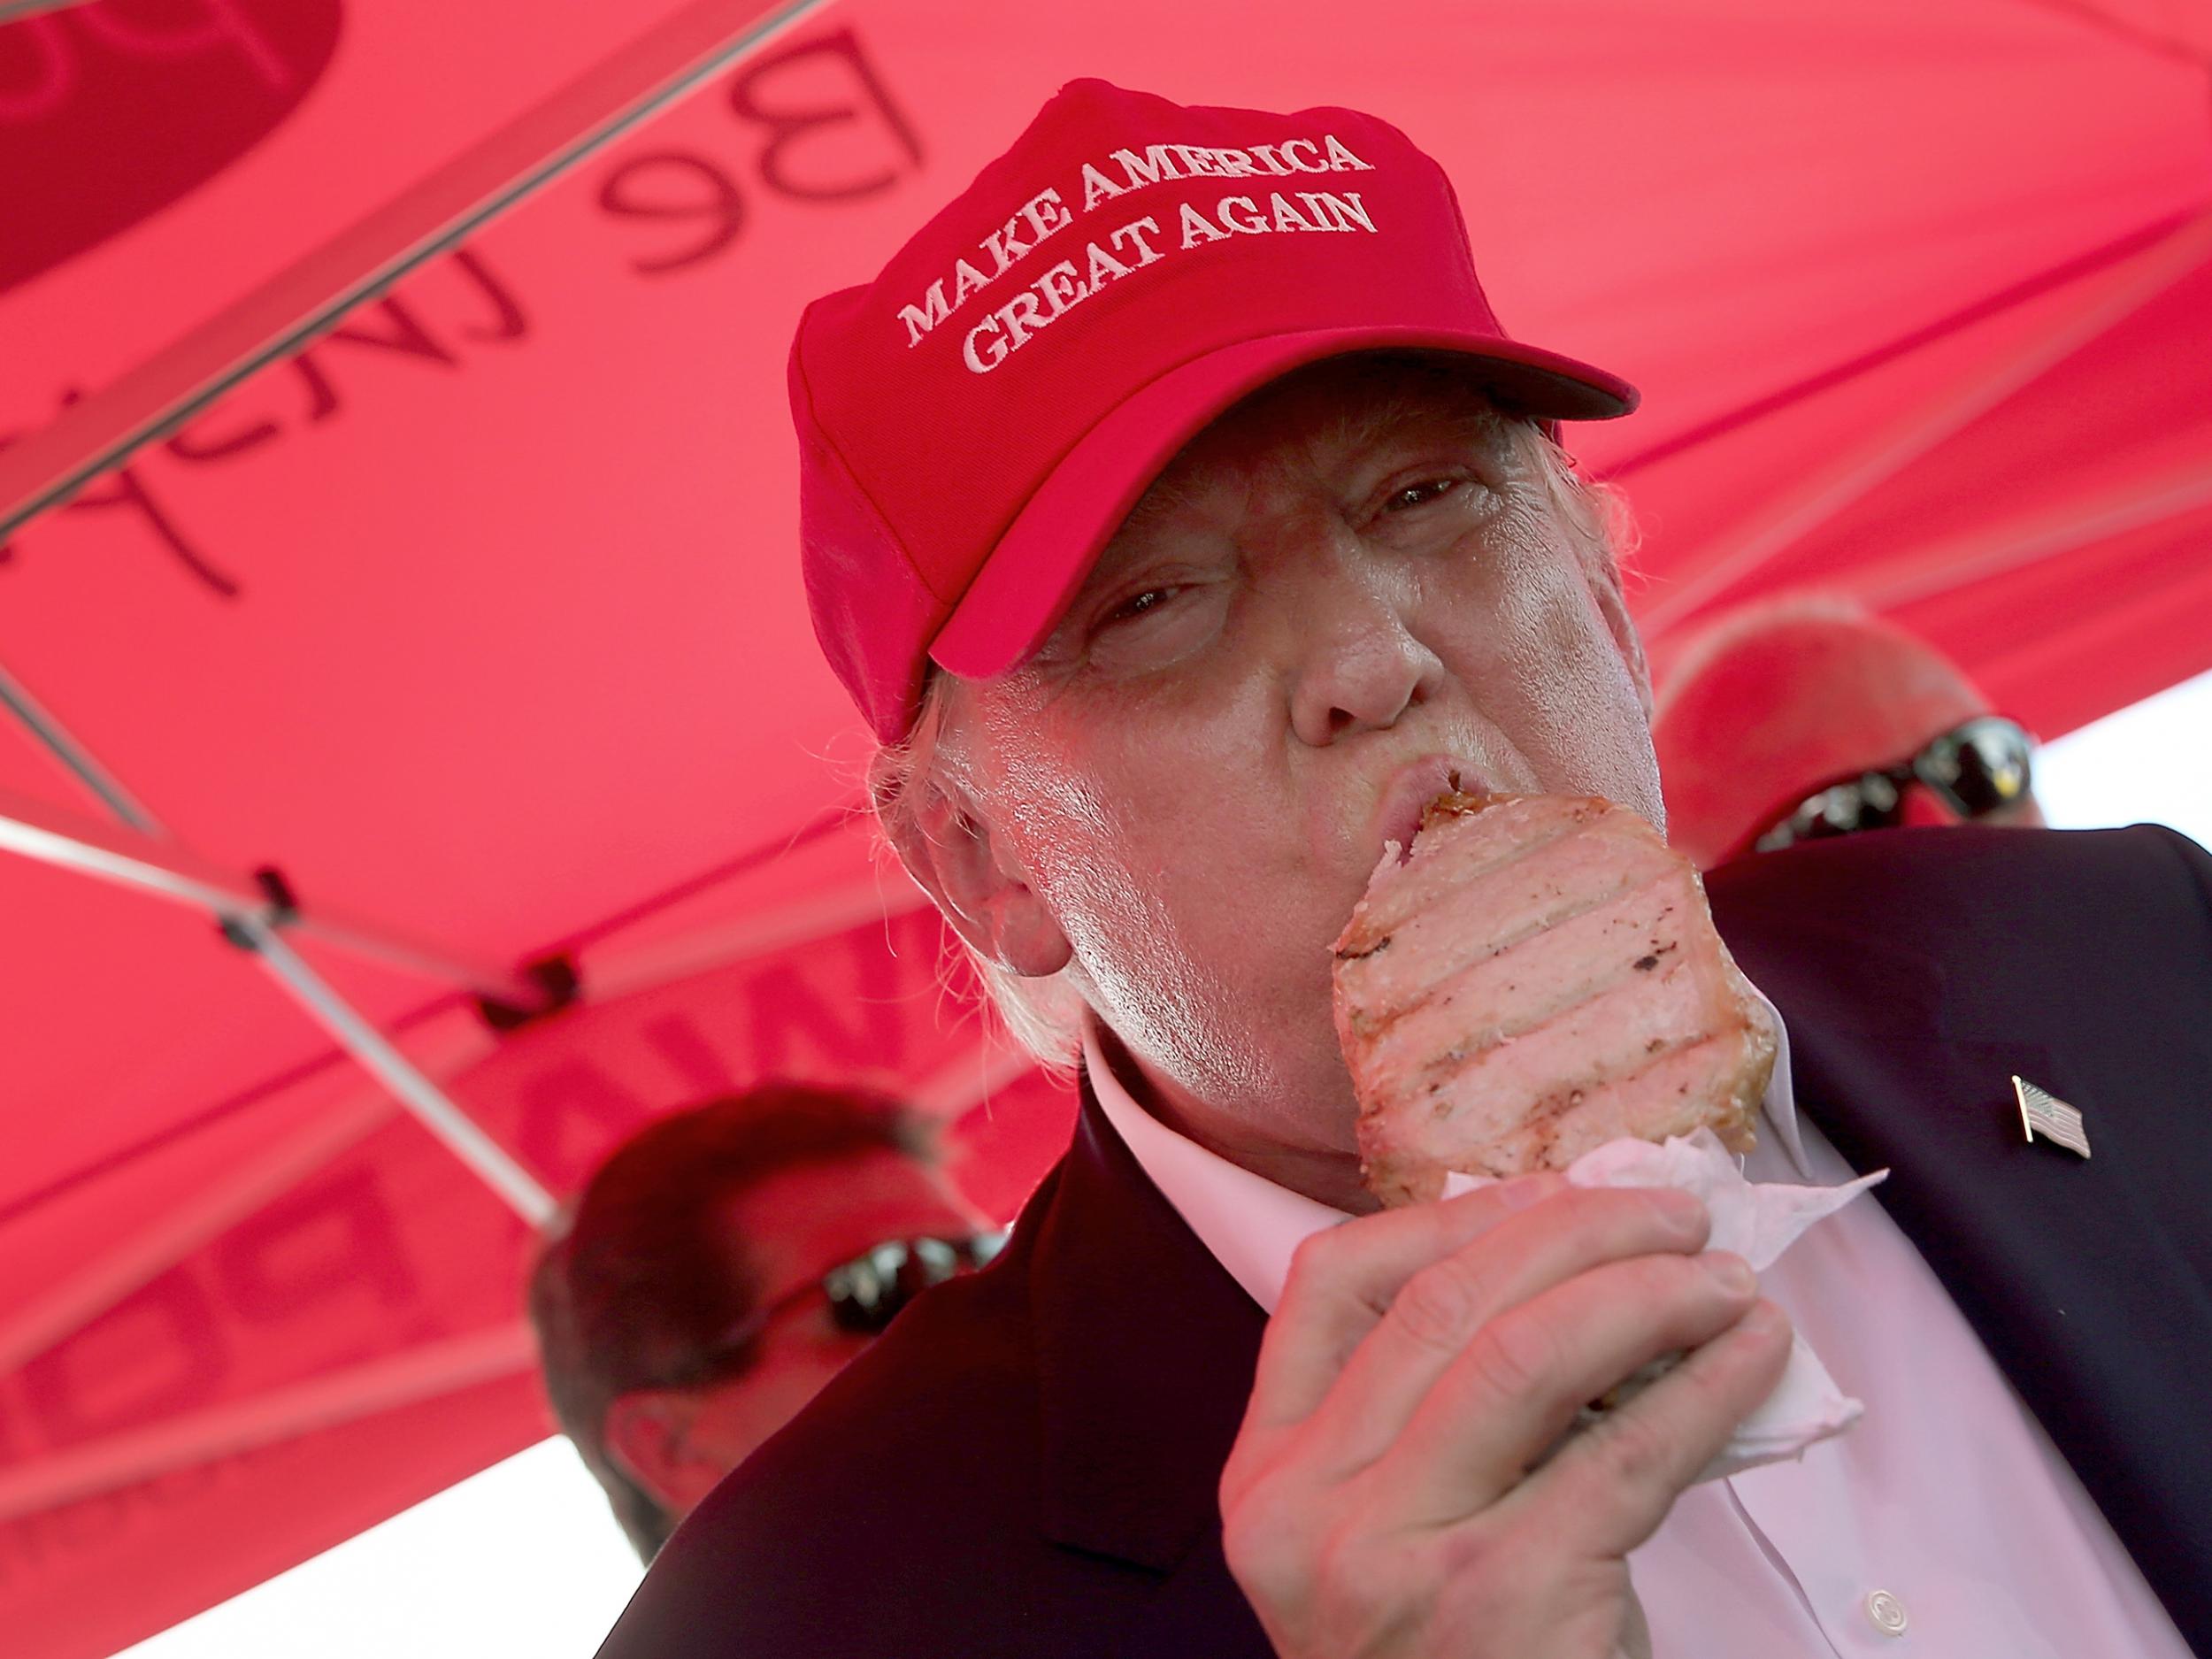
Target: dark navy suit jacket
x=1025, y=1464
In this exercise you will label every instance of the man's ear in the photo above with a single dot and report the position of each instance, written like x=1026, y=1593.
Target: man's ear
x=648, y=1436
x=1605, y=585
x=971, y=872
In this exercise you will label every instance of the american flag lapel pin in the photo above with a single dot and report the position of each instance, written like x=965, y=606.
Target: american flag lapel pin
x=2042, y=1112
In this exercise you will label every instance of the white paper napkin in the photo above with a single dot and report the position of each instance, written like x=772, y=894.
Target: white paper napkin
x=1758, y=1220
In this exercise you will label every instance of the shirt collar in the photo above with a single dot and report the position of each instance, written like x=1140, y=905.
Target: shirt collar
x=1249, y=1222
x=1779, y=1103
x=1251, y=1225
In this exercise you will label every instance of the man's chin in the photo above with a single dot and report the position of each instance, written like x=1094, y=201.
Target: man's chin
x=1308, y=1098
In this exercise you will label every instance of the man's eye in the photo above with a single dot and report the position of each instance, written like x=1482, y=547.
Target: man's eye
x=1420, y=494
x=1137, y=604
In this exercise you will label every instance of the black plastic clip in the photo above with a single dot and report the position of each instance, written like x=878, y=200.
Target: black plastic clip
x=284, y=908
x=284, y=904
x=555, y=975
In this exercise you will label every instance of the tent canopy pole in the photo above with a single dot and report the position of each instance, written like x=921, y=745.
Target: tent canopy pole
x=128, y=858
x=430, y=1106
x=54, y=738
x=671, y=59
x=165, y=870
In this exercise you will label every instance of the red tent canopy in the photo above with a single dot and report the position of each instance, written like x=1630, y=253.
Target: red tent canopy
x=476, y=615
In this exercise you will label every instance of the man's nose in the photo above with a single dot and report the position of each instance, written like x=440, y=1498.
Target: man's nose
x=1359, y=666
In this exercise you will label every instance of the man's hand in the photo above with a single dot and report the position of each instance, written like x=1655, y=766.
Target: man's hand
x=1382, y=1497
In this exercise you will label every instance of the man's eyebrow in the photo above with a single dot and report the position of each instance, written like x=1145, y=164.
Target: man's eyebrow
x=1168, y=494
x=1174, y=490
x=1476, y=421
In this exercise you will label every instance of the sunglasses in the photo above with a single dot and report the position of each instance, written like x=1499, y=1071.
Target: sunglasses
x=1975, y=769
x=866, y=1293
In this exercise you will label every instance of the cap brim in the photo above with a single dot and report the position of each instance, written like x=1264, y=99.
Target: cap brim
x=1018, y=597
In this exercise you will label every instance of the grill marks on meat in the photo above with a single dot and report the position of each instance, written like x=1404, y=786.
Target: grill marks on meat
x=1534, y=986
x=1542, y=976
x=1470, y=911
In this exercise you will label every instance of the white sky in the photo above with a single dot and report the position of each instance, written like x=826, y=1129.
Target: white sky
x=2151, y=764
x=524, y=1558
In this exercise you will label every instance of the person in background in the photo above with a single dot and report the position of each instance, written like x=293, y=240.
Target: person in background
x=719, y=1267
x=1804, y=716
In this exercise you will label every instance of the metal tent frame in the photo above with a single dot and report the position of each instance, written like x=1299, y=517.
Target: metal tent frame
x=45, y=469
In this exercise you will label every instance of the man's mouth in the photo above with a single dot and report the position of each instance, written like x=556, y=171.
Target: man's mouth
x=1409, y=790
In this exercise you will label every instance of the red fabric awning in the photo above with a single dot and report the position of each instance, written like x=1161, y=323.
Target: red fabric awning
x=479, y=617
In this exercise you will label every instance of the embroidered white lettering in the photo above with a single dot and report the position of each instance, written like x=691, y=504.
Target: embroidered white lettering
x=1343, y=159
x=1158, y=163
x=1344, y=208
x=1131, y=247
x=1046, y=214
x=1134, y=230
x=967, y=280
x=1097, y=187
x=1021, y=317
x=919, y=319
x=990, y=353
x=1060, y=288
x=1239, y=213
x=1104, y=267
x=1197, y=228
x=1004, y=247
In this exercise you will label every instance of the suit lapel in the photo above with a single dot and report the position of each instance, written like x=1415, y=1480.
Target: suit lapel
x=2074, y=1278
x=1145, y=1347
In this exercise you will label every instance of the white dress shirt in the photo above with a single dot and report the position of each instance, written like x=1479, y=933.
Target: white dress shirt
x=1945, y=1523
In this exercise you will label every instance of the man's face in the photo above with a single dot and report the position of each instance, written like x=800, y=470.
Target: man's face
x=1347, y=589
x=789, y=1231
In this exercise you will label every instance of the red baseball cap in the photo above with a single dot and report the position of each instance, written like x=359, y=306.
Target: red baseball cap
x=975, y=424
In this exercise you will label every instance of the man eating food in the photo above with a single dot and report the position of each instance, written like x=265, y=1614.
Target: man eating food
x=1185, y=525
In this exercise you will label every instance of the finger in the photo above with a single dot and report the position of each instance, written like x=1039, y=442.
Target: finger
x=1614, y=1482
x=1439, y=1310
x=1507, y=1400
x=1342, y=1281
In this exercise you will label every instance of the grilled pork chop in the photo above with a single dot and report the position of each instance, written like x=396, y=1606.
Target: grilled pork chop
x=1541, y=975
